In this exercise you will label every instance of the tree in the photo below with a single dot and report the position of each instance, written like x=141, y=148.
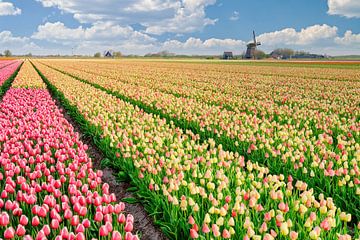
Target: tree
x=258, y=54
x=282, y=53
x=97, y=55
x=117, y=54
x=7, y=53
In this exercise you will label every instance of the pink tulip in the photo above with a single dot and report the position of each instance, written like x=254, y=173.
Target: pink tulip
x=116, y=236
x=4, y=219
x=9, y=233
x=98, y=217
x=35, y=221
x=80, y=228
x=54, y=224
x=128, y=227
x=193, y=234
x=75, y=220
x=86, y=223
x=121, y=218
x=80, y=236
x=20, y=230
x=103, y=231
x=226, y=234
x=64, y=233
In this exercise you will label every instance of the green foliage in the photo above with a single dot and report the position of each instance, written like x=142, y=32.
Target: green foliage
x=97, y=55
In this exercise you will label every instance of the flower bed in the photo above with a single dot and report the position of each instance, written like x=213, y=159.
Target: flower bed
x=197, y=189
x=50, y=190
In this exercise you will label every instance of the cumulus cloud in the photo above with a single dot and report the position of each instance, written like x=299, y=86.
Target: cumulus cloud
x=16, y=44
x=157, y=16
x=105, y=31
x=347, y=8
x=289, y=36
x=349, y=38
x=209, y=46
x=100, y=36
x=7, y=8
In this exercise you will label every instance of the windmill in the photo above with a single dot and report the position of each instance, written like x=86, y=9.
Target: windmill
x=251, y=48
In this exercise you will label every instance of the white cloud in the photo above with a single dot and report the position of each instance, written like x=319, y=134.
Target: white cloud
x=157, y=16
x=104, y=31
x=7, y=8
x=17, y=45
x=306, y=36
x=347, y=8
x=209, y=46
x=98, y=37
x=235, y=16
x=349, y=39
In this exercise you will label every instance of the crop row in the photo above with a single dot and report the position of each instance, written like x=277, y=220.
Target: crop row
x=198, y=188
x=263, y=93
x=8, y=70
x=28, y=78
x=49, y=187
x=321, y=148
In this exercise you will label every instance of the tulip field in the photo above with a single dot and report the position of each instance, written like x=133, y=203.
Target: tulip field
x=211, y=150
x=49, y=187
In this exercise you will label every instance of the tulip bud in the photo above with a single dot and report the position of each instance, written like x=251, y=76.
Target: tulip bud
x=128, y=227
x=54, y=224
x=20, y=230
x=116, y=236
x=35, y=221
x=193, y=234
x=103, y=231
x=9, y=233
x=86, y=223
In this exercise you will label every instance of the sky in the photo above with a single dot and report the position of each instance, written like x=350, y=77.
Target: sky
x=181, y=26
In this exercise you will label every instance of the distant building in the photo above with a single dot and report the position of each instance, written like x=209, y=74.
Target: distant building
x=109, y=53
x=228, y=55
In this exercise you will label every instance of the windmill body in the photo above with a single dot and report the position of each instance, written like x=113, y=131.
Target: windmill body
x=251, y=48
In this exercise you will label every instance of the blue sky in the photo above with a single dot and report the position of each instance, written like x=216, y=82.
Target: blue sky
x=181, y=26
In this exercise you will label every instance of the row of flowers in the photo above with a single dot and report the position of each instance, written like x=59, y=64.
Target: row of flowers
x=4, y=63
x=49, y=187
x=319, y=147
x=27, y=77
x=230, y=87
x=201, y=189
x=8, y=70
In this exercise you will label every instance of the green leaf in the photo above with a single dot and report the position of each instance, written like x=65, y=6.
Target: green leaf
x=130, y=200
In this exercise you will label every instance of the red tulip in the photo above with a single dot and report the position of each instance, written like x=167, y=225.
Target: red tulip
x=9, y=233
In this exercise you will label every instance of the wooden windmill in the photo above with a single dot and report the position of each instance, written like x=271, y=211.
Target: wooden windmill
x=251, y=48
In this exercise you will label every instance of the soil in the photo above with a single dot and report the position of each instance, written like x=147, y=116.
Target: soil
x=143, y=224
